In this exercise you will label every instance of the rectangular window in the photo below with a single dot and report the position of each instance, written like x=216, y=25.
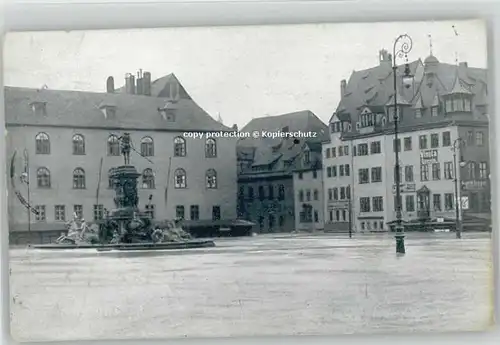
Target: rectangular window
x=179, y=212
x=363, y=150
x=375, y=147
x=396, y=145
x=346, y=150
x=418, y=113
x=330, y=216
x=216, y=213
x=470, y=138
x=364, y=176
x=434, y=111
x=194, y=212
x=335, y=194
x=377, y=174
x=407, y=143
x=301, y=176
x=347, y=170
x=422, y=142
x=436, y=202
x=446, y=139
x=436, y=171
x=78, y=209
x=410, y=203
x=479, y=138
x=329, y=171
x=41, y=215
x=98, y=212
x=341, y=170
x=342, y=193
x=434, y=141
x=334, y=171
x=448, y=170
x=424, y=172
x=334, y=152
x=327, y=153
x=348, y=192
x=364, y=204
x=448, y=201
x=60, y=213
x=315, y=174
x=378, y=204
x=341, y=151
x=409, y=173
x=308, y=195
x=301, y=195
x=330, y=194
x=483, y=170
x=471, y=168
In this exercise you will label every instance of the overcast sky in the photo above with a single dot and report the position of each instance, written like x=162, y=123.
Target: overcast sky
x=239, y=72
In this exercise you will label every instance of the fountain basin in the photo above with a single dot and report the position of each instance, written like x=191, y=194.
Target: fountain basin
x=131, y=246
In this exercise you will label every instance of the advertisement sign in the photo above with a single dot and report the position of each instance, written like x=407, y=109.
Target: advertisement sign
x=464, y=202
x=405, y=188
x=428, y=156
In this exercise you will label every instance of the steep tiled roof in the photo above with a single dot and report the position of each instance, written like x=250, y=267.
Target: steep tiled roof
x=279, y=154
x=82, y=109
x=374, y=87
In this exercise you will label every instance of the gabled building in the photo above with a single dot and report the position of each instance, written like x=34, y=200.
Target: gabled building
x=72, y=141
x=267, y=195
x=308, y=186
x=443, y=107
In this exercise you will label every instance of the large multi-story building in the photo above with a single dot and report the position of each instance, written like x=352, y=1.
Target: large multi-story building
x=442, y=113
x=72, y=141
x=267, y=195
x=308, y=186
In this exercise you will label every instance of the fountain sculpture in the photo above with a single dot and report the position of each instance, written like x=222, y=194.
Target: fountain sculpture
x=126, y=226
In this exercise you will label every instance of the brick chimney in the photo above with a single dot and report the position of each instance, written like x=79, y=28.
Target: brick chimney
x=139, y=82
x=110, y=85
x=385, y=57
x=146, y=84
x=129, y=84
x=343, y=86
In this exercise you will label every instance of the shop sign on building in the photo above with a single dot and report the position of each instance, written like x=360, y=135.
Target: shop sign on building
x=428, y=156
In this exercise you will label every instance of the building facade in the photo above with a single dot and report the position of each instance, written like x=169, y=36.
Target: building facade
x=71, y=140
x=442, y=140
x=266, y=168
x=308, y=186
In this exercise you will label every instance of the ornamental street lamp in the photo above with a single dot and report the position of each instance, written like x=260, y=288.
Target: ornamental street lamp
x=402, y=46
x=456, y=148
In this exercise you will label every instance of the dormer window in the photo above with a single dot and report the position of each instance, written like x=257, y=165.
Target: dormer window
x=39, y=108
x=307, y=157
x=109, y=111
x=168, y=115
x=434, y=111
x=336, y=127
x=390, y=113
x=168, y=111
x=458, y=103
x=368, y=120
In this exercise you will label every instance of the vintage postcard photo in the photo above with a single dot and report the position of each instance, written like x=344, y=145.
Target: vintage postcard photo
x=249, y=181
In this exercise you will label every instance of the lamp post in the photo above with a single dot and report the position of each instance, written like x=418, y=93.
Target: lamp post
x=457, y=144
x=350, y=212
x=402, y=46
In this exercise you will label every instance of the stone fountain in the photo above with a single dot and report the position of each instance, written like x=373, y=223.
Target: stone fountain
x=126, y=227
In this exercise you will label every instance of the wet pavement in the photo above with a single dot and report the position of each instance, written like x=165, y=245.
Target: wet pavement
x=264, y=285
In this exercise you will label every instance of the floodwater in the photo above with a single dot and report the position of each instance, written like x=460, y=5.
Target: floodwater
x=264, y=285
